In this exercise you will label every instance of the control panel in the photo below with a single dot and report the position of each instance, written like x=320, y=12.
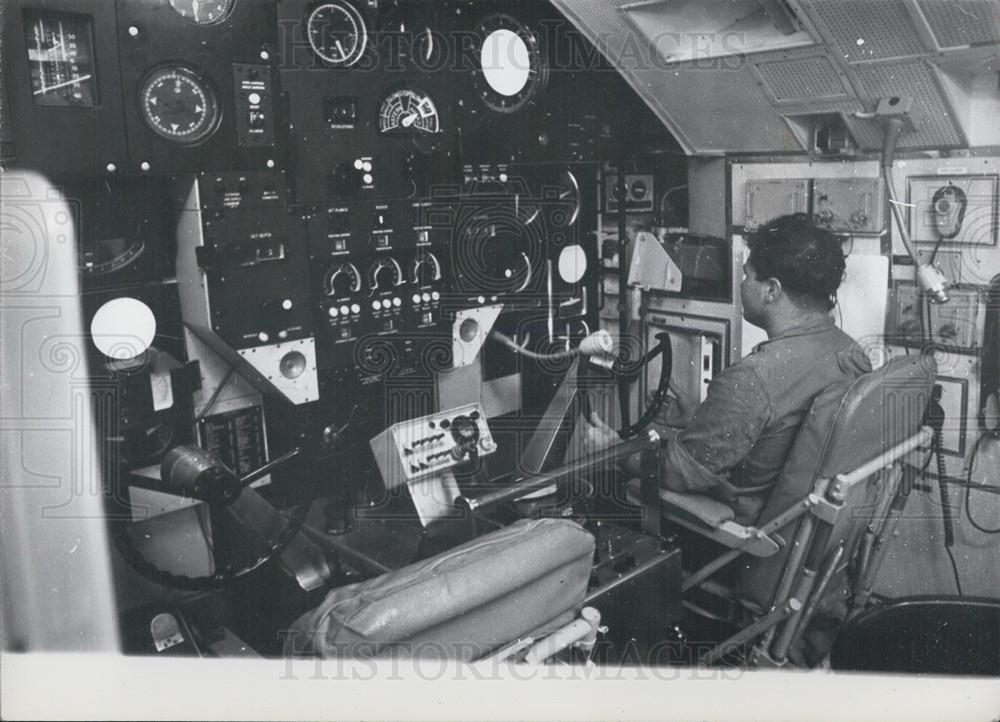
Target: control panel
x=378, y=270
x=958, y=323
x=242, y=257
x=432, y=444
x=638, y=191
x=843, y=205
x=849, y=205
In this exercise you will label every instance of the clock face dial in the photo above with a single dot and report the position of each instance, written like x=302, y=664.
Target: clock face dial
x=202, y=12
x=179, y=105
x=512, y=69
x=337, y=33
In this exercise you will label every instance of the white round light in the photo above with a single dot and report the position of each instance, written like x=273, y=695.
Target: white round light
x=572, y=264
x=505, y=61
x=123, y=328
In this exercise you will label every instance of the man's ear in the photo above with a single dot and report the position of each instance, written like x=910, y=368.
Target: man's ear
x=772, y=290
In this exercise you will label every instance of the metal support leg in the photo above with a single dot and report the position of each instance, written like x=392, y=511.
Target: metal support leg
x=866, y=582
x=652, y=514
x=774, y=617
x=812, y=604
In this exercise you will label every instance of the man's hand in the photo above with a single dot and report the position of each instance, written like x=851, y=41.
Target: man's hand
x=685, y=404
x=598, y=435
x=679, y=408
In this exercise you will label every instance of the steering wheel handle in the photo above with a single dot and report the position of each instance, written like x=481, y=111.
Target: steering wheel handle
x=192, y=472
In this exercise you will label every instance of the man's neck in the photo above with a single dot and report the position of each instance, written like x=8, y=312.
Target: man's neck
x=793, y=319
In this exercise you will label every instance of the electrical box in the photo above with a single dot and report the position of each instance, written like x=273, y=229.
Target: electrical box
x=638, y=193
x=957, y=324
x=849, y=205
x=904, y=325
x=955, y=210
x=768, y=199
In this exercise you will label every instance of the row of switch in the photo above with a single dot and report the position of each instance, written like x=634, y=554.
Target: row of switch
x=422, y=442
x=431, y=460
x=384, y=304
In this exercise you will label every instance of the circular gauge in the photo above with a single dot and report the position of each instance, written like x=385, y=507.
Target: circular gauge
x=568, y=190
x=511, y=67
x=406, y=36
x=179, y=105
x=342, y=280
x=384, y=275
x=337, y=33
x=426, y=269
x=410, y=112
x=526, y=205
x=202, y=12
x=105, y=256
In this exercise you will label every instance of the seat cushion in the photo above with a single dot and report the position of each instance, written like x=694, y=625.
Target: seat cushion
x=527, y=578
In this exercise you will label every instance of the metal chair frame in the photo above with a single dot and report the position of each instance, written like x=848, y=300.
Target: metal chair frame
x=811, y=563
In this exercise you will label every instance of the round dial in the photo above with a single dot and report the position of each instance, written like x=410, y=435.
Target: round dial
x=337, y=33
x=426, y=269
x=342, y=280
x=384, y=275
x=107, y=256
x=512, y=69
x=464, y=430
x=405, y=32
x=179, y=105
x=408, y=111
x=203, y=12
x=569, y=200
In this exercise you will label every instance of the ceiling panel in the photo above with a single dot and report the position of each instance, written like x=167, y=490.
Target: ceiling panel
x=958, y=23
x=867, y=30
x=936, y=126
x=798, y=79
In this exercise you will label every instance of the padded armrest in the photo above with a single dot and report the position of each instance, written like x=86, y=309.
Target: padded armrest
x=528, y=578
x=706, y=510
x=710, y=518
x=703, y=508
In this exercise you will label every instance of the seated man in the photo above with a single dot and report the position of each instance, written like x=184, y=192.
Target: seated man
x=735, y=443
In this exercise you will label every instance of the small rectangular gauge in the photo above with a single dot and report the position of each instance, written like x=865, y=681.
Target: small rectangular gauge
x=61, y=58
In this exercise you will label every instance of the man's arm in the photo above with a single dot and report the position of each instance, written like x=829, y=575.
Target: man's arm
x=720, y=435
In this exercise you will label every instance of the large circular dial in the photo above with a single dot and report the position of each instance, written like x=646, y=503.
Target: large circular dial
x=426, y=269
x=569, y=199
x=179, y=105
x=384, y=274
x=342, y=280
x=405, y=33
x=337, y=33
x=203, y=12
x=408, y=111
x=512, y=69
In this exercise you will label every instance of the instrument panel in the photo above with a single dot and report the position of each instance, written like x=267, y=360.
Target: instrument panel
x=362, y=168
x=61, y=59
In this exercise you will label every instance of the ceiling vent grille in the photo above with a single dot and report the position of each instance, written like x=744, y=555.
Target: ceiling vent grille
x=867, y=30
x=959, y=23
x=804, y=79
x=936, y=124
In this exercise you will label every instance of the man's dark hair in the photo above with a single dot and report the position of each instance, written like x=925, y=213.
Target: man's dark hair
x=809, y=261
